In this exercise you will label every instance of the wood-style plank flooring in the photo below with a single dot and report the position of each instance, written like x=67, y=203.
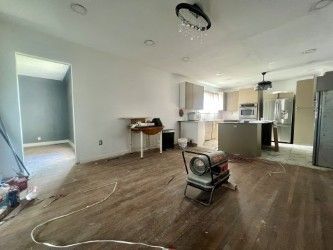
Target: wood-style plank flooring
x=288, y=210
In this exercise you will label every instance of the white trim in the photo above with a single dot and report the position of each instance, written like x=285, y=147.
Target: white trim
x=71, y=144
x=103, y=157
x=113, y=155
x=45, y=143
x=73, y=116
x=19, y=108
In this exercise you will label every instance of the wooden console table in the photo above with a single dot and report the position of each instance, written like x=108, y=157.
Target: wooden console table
x=148, y=131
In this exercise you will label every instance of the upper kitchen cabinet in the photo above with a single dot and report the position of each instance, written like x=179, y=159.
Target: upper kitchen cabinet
x=191, y=96
x=248, y=96
x=305, y=94
x=304, y=113
x=232, y=101
x=270, y=96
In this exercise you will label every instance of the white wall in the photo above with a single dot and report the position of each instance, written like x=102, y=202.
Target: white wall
x=106, y=88
x=284, y=85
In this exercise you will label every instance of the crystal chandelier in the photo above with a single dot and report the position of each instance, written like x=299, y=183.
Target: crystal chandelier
x=194, y=23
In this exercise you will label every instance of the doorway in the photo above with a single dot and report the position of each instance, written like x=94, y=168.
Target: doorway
x=47, y=117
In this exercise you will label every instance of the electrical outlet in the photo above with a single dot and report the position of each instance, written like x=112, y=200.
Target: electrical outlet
x=100, y=142
x=39, y=138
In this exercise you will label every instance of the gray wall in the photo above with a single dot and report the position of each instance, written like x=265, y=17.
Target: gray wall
x=8, y=165
x=68, y=83
x=9, y=108
x=44, y=109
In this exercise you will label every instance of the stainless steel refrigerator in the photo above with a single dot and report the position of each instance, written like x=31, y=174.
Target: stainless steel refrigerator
x=323, y=139
x=281, y=111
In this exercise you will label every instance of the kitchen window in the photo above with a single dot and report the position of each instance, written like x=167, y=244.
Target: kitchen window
x=213, y=102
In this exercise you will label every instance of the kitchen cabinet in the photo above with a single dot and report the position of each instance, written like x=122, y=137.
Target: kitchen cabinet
x=304, y=113
x=215, y=130
x=211, y=128
x=208, y=130
x=305, y=94
x=194, y=131
x=198, y=97
x=231, y=138
x=232, y=101
x=270, y=96
x=247, y=96
x=191, y=96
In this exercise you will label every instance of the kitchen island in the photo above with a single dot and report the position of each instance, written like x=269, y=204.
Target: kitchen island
x=244, y=138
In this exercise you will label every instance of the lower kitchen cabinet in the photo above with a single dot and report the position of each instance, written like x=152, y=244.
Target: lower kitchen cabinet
x=194, y=131
x=211, y=129
x=208, y=131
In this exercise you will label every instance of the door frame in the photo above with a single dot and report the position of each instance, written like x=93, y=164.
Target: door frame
x=72, y=100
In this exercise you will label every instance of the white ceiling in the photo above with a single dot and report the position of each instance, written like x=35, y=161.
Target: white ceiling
x=35, y=67
x=246, y=38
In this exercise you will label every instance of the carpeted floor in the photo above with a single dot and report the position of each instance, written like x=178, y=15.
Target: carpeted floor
x=48, y=165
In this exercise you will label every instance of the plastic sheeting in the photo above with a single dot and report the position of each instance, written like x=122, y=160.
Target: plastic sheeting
x=10, y=164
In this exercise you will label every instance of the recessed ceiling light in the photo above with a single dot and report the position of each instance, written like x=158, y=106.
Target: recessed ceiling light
x=185, y=58
x=320, y=5
x=78, y=8
x=309, y=51
x=149, y=43
x=219, y=74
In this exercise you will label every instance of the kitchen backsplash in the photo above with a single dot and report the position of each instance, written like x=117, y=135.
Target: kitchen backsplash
x=210, y=116
x=222, y=115
x=204, y=116
x=228, y=115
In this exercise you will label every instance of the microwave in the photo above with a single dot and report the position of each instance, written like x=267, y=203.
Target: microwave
x=248, y=111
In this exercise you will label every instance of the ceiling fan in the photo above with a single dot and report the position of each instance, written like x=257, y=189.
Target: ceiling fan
x=263, y=85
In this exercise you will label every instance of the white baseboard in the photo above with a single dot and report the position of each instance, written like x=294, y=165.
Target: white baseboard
x=137, y=149
x=71, y=144
x=46, y=143
x=102, y=157
x=113, y=155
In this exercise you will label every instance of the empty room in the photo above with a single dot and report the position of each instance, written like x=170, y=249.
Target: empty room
x=159, y=124
x=45, y=98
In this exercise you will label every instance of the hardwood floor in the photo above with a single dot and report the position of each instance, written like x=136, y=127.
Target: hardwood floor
x=288, y=210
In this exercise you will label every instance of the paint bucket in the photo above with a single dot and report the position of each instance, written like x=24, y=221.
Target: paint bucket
x=13, y=197
x=182, y=142
x=4, y=189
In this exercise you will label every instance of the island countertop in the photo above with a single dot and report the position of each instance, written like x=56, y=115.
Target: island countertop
x=245, y=138
x=249, y=122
